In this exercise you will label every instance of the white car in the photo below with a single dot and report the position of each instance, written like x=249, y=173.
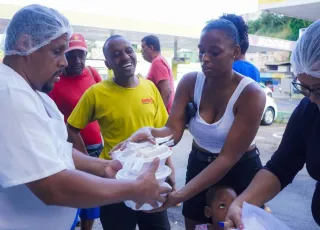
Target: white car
x=270, y=111
x=266, y=89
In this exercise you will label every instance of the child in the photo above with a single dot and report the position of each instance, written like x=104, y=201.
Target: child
x=218, y=200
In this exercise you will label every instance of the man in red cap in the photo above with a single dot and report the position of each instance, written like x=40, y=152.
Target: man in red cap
x=76, y=79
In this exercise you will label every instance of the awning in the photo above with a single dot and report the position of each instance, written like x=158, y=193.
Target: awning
x=100, y=27
x=303, y=9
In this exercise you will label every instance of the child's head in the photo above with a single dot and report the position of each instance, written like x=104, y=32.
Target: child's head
x=218, y=200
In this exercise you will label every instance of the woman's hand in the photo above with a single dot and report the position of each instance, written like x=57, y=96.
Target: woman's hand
x=143, y=134
x=171, y=180
x=233, y=218
x=172, y=199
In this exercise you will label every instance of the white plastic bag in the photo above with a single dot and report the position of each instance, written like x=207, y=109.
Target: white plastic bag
x=255, y=218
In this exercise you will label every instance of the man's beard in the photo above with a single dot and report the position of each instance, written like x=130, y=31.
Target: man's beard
x=47, y=88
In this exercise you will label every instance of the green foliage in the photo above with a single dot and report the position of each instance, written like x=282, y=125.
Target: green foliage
x=277, y=25
x=296, y=24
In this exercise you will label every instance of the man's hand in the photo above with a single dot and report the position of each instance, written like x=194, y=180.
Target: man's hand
x=111, y=168
x=149, y=189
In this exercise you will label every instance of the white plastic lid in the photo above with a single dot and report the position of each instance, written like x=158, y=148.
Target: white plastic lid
x=162, y=152
x=132, y=146
x=162, y=173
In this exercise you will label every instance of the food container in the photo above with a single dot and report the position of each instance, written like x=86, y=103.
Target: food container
x=161, y=176
x=138, y=161
x=145, y=207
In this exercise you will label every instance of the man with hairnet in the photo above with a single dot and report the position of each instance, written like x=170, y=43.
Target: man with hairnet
x=42, y=178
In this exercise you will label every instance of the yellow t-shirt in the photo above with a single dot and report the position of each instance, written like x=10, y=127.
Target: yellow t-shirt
x=119, y=111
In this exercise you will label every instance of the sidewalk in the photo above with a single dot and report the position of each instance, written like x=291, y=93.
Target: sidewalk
x=282, y=96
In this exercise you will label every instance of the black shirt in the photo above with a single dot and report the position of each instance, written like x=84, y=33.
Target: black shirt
x=300, y=145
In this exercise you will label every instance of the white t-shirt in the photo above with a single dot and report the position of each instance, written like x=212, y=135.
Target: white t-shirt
x=33, y=145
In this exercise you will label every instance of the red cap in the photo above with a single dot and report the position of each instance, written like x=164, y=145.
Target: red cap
x=77, y=42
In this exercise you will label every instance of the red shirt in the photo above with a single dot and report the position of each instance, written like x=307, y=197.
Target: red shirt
x=159, y=71
x=66, y=94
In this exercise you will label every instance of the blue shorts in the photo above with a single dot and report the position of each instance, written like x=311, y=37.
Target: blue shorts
x=90, y=213
x=94, y=150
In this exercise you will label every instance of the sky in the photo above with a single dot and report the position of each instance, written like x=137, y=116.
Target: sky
x=187, y=12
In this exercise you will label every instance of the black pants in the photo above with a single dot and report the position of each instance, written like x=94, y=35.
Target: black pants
x=120, y=217
x=238, y=178
x=316, y=204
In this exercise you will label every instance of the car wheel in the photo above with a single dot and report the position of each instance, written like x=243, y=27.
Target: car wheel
x=268, y=116
x=269, y=94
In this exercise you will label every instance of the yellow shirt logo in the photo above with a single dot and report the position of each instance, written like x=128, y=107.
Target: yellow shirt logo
x=147, y=101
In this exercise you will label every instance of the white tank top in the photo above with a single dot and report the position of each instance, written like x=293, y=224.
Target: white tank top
x=212, y=137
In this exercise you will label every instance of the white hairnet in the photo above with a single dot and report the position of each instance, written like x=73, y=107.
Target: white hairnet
x=33, y=27
x=306, y=56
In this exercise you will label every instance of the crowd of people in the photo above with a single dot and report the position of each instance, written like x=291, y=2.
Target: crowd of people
x=60, y=122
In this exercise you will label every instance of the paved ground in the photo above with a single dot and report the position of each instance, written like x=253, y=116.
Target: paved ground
x=287, y=105
x=292, y=205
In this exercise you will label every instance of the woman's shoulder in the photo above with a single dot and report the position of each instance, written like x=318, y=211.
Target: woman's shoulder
x=189, y=79
x=252, y=89
x=187, y=83
x=191, y=76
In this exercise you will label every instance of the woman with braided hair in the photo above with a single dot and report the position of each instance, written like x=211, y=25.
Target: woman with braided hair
x=241, y=65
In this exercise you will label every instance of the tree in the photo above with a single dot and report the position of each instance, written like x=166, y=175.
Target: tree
x=254, y=26
x=277, y=25
x=273, y=20
x=295, y=25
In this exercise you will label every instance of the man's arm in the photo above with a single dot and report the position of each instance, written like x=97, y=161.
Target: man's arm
x=73, y=188
x=95, y=166
x=160, y=74
x=80, y=117
x=85, y=163
x=75, y=138
x=165, y=91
